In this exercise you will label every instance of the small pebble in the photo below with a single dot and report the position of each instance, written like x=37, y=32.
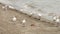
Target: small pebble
x=40, y=14
x=32, y=24
x=57, y=20
x=24, y=21
x=3, y=7
x=21, y=10
x=14, y=19
x=11, y=7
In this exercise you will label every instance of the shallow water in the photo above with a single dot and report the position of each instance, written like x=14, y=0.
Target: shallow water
x=43, y=7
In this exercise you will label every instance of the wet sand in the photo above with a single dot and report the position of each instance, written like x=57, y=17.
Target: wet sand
x=31, y=26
